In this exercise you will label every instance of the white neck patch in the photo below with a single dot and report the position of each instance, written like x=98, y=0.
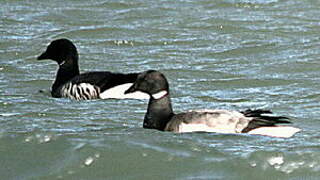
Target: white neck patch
x=160, y=94
x=62, y=63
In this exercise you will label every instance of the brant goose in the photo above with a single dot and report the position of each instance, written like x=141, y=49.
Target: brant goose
x=161, y=116
x=70, y=83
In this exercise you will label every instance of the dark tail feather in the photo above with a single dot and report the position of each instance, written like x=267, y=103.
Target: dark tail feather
x=262, y=120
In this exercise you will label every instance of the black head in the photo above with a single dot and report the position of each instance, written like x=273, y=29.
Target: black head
x=61, y=50
x=150, y=82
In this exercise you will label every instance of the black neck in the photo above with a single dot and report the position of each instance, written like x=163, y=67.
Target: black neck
x=65, y=73
x=159, y=113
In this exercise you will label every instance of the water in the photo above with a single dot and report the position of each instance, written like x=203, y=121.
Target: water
x=226, y=54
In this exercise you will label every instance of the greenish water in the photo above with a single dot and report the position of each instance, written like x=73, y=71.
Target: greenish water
x=216, y=54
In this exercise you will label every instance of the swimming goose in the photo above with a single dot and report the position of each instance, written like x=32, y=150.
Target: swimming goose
x=70, y=83
x=160, y=115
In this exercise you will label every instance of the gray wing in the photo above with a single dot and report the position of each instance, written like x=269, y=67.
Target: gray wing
x=221, y=121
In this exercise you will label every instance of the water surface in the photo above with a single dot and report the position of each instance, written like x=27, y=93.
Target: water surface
x=216, y=54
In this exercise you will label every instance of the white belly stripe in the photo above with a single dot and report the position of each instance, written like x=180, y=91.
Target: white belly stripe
x=204, y=128
x=277, y=131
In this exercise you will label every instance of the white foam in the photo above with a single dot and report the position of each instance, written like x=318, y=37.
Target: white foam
x=277, y=160
x=89, y=161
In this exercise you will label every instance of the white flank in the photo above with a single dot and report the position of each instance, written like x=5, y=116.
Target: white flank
x=278, y=131
x=117, y=92
x=86, y=91
x=159, y=94
x=90, y=88
x=183, y=128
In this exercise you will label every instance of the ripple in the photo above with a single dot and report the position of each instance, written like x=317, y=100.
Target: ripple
x=224, y=54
